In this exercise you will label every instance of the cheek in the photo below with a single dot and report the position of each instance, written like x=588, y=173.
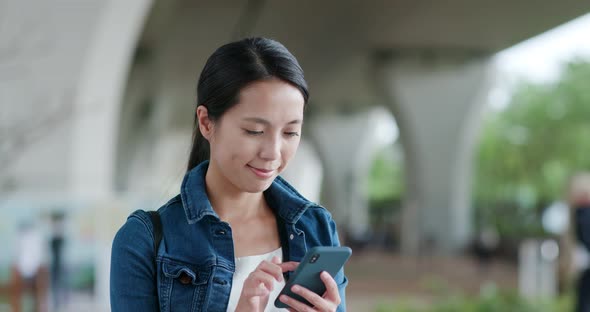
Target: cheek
x=240, y=149
x=289, y=149
x=227, y=146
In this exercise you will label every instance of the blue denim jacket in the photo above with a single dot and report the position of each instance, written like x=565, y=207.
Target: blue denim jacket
x=195, y=260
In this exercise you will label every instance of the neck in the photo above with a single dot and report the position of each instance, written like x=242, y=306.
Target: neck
x=229, y=202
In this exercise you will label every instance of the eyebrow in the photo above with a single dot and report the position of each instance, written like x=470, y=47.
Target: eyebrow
x=268, y=123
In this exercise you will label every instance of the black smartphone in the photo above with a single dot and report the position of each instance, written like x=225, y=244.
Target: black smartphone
x=307, y=274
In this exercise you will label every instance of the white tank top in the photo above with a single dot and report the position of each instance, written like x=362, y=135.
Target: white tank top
x=245, y=266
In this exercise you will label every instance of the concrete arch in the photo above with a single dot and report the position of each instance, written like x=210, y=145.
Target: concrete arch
x=99, y=93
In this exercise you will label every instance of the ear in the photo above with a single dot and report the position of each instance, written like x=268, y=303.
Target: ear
x=205, y=124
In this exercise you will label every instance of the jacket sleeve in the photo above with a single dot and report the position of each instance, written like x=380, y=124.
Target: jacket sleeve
x=132, y=279
x=340, y=278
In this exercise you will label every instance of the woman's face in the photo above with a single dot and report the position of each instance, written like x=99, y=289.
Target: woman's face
x=252, y=143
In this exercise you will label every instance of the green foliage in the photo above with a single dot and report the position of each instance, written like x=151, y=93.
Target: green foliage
x=528, y=151
x=486, y=302
x=385, y=188
x=385, y=177
x=84, y=279
x=5, y=274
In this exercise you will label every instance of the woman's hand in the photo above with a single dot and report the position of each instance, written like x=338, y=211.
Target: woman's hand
x=328, y=302
x=260, y=283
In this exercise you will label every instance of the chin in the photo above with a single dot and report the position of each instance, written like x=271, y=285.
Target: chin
x=253, y=189
x=257, y=187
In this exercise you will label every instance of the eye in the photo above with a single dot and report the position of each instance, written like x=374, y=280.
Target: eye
x=251, y=132
x=292, y=134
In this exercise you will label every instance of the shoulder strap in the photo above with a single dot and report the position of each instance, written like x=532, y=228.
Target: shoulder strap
x=157, y=223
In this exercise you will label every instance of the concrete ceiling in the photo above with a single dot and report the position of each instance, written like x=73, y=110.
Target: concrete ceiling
x=336, y=40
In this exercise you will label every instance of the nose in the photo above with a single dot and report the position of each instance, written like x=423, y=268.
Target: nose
x=271, y=148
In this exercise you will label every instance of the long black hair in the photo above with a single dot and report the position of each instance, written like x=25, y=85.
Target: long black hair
x=231, y=68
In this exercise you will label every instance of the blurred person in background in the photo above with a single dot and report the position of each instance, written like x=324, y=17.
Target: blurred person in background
x=236, y=228
x=580, y=203
x=484, y=246
x=56, y=245
x=29, y=273
x=575, y=243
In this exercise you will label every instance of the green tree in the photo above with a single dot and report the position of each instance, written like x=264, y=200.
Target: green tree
x=528, y=151
x=385, y=177
x=385, y=186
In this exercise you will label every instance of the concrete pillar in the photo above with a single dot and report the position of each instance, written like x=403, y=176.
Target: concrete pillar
x=305, y=172
x=42, y=49
x=102, y=81
x=100, y=91
x=347, y=144
x=437, y=103
x=65, y=64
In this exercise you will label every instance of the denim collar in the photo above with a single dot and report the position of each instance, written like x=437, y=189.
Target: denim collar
x=287, y=203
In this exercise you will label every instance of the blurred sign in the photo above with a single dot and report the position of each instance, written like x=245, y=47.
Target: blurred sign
x=537, y=268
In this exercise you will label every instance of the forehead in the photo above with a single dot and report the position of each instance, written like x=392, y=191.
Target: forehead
x=272, y=99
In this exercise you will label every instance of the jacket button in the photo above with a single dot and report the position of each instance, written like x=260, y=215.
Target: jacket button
x=220, y=232
x=291, y=236
x=184, y=278
x=219, y=281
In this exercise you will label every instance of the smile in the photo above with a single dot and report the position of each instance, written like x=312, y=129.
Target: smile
x=262, y=173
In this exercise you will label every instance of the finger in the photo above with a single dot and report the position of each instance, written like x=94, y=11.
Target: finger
x=272, y=269
x=259, y=291
x=331, y=293
x=289, y=266
x=313, y=298
x=275, y=260
x=295, y=305
x=257, y=277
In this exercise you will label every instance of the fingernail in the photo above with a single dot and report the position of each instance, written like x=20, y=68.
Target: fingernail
x=325, y=274
x=295, y=288
x=284, y=298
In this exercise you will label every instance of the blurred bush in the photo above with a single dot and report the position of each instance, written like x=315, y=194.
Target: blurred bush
x=503, y=301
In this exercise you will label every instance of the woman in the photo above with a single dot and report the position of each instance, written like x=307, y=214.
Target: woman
x=236, y=229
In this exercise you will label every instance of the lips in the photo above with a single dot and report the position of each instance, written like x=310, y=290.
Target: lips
x=262, y=173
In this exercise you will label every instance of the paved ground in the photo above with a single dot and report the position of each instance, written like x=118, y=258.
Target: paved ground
x=380, y=277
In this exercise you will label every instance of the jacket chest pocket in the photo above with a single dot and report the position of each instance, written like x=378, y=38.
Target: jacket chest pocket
x=183, y=287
